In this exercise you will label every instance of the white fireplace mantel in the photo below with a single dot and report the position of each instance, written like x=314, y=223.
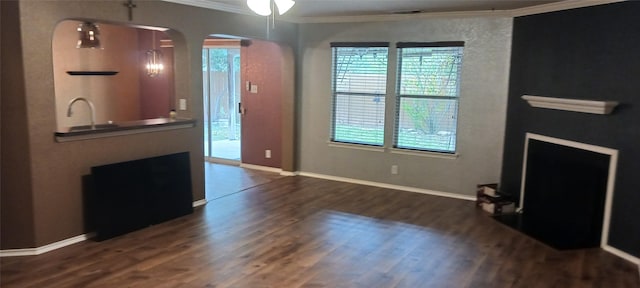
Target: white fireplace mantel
x=585, y=106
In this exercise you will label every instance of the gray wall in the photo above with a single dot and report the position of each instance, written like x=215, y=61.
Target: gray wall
x=481, y=121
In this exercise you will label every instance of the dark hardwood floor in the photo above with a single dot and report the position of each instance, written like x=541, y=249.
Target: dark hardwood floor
x=306, y=232
x=222, y=180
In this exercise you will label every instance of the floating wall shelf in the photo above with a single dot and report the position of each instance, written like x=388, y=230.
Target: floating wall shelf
x=584, y=106
x=92, y=73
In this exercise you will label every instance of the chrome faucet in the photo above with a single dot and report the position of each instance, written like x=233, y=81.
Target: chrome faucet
x=91, y=108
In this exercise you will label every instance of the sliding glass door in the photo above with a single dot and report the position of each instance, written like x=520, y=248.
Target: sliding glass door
x=221, y=92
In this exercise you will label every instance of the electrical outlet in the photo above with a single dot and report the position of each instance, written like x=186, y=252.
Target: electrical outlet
x=183, y=104
x=267, y=153
x=394, y=169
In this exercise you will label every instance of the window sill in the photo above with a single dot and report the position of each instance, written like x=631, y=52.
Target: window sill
x=356, y=146
x=424, y=153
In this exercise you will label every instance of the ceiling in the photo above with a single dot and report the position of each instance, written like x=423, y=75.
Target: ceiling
x=333, y=8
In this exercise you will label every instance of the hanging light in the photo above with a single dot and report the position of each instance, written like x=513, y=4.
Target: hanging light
x=154, y=59
x=263, y=7
x=88, y=35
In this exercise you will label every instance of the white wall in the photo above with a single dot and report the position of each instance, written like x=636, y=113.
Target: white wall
x=482, y=114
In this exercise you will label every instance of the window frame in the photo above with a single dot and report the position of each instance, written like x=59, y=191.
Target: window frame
x=335, y=93
x=399, y=96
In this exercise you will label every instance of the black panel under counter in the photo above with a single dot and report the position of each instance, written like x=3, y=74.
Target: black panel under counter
x=131, y=195
x=85, y=132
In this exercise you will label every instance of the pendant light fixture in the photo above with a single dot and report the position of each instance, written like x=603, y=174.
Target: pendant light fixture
x=88, y=35
x=154, y=59
x=263, y=7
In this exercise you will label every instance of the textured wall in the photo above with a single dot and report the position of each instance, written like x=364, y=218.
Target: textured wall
x=54, y=170
x=16, y=199
x=588, y=53
x=482, y=111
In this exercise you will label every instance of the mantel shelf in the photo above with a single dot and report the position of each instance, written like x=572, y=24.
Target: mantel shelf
x=584, y=106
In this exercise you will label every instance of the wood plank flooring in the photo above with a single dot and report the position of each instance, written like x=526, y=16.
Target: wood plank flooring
x=306, y=232
x=222, y=180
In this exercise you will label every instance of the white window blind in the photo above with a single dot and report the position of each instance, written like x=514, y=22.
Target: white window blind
x=428, y=89
x=359, y=88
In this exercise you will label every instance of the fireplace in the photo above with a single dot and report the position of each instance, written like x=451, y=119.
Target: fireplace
x=566, y=192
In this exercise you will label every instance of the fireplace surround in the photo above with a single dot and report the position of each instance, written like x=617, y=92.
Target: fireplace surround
x=566, y=192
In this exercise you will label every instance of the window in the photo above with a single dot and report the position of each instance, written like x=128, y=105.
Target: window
x=359, y=86
x=428, y=86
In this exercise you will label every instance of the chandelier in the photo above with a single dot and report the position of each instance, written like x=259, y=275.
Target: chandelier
x=88, y=35
x=154, y=59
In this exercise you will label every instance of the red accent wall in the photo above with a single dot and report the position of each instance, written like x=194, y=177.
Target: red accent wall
x=262, y=64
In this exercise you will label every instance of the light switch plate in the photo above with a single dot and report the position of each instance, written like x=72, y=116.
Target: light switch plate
x=254, y=88
x=183, y=104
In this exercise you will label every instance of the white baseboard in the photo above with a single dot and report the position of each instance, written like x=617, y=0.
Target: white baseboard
x=389, y=186
x=289, y=173
x=607, y=248
x=63, y=243
x=80, y=238
x=222, y=161
x=45, y=248
x=268, y=169
x=200, y=202
x=261, y=168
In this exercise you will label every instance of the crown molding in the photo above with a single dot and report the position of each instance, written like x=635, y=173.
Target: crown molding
x=401, y=17
x=538, y=9
x=557, y=6
x=213, y=5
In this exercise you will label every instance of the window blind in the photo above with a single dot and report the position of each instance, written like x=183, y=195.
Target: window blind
x=359, y=87
x=428, y=87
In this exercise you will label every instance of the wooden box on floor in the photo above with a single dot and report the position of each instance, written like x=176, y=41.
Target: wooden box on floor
x=489, y=199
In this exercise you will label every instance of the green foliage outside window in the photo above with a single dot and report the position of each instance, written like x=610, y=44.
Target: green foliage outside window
x=218, y=58
x=428, y=92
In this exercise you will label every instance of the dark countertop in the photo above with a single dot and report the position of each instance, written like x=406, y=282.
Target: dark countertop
x=110, y=128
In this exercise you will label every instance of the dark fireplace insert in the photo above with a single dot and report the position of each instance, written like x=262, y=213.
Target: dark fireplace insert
x=564, y=195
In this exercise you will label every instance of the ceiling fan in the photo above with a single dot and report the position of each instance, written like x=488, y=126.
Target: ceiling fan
x=263, y=7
